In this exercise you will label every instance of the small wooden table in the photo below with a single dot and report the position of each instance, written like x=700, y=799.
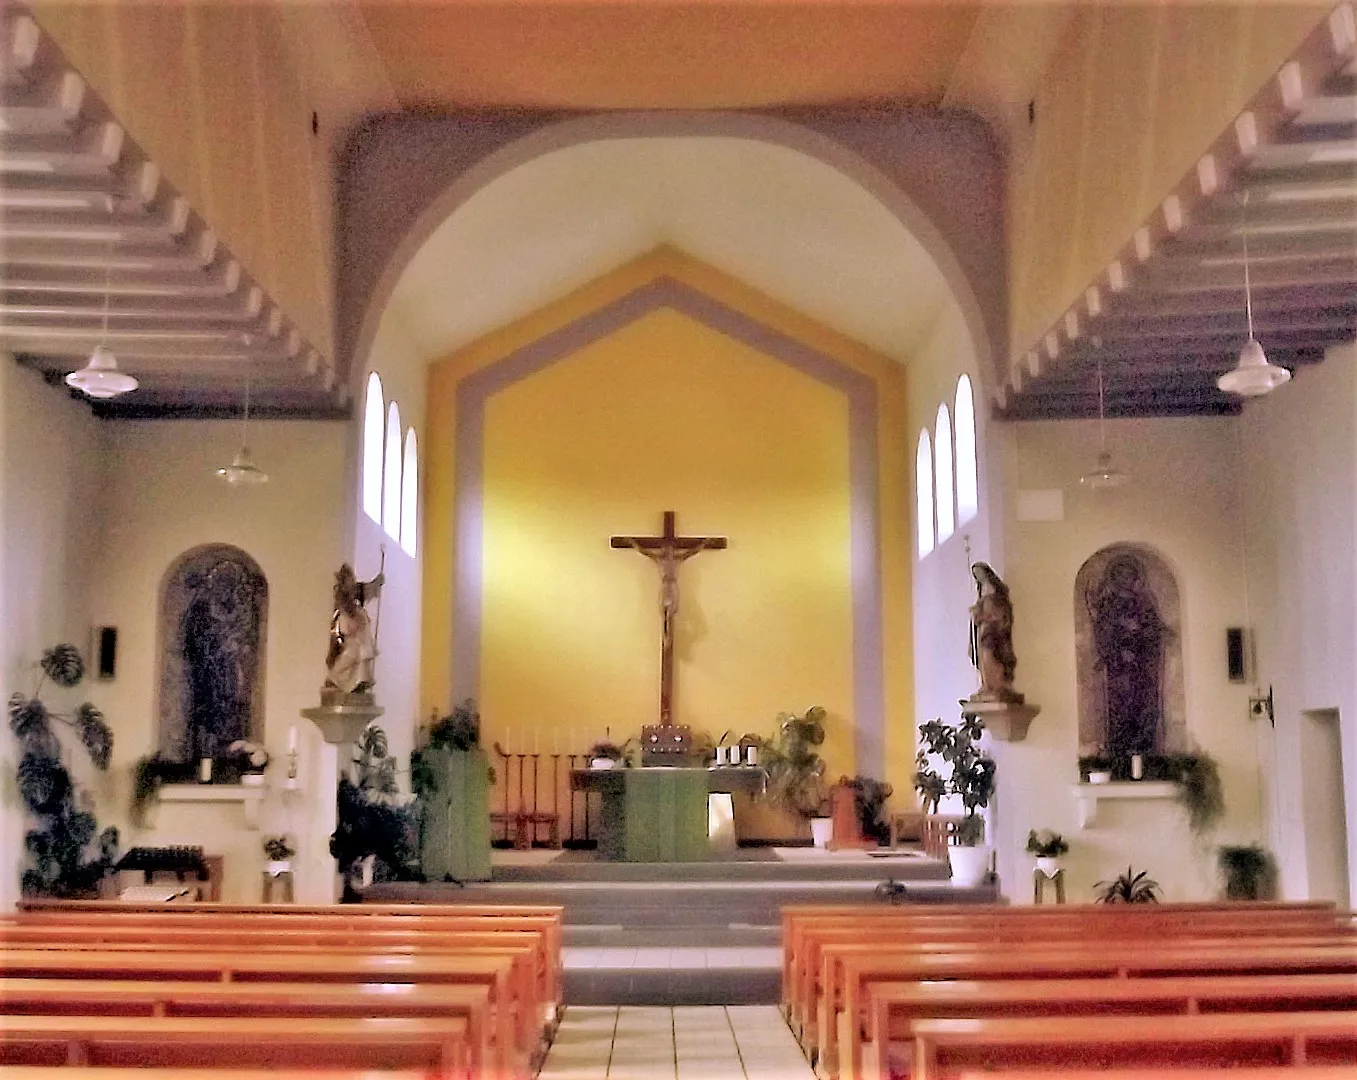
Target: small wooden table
x=659, y=814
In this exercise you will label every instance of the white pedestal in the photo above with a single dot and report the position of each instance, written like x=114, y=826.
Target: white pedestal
x=340, y=727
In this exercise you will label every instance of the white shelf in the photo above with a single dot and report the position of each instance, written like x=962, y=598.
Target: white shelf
x=1088, y=796
x=248, y=797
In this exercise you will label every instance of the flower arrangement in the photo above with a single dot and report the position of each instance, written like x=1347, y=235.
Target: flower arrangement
x=278, y=848
x=1046, y=844
x=252, y=757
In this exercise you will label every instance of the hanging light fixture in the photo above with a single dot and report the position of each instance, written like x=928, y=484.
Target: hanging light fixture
x=100, y=377
x=1253, y=376
x=243, y=472
x=1103, y=474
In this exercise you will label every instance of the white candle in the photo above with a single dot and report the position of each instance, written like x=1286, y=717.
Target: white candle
x=536, y=740
x=508, y=740
x=292, y=739
x=205, y=770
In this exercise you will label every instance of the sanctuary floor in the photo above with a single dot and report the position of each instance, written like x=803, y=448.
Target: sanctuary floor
x=730, y=1042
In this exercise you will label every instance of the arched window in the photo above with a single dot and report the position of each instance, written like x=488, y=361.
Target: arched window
x=923, y=492
x=391, y=495
x=942, y=454
x=967, y=468
x=410, y=495
x=372, y=449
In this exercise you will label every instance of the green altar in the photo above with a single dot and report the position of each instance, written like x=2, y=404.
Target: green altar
x=658, y=814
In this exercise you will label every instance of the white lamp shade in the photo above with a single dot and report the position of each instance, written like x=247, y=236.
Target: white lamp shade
x=100, y=378
x=1253, y=376
x=1103, y=474
x=242, y=470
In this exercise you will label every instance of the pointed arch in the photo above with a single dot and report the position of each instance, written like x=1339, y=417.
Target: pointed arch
x=923, y=492
x=410, y=495
x=942, y=471
x=967, y=463
x=391, y=495
x=374, y=410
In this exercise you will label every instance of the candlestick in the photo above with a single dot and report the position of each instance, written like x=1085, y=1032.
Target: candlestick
x=292, y=739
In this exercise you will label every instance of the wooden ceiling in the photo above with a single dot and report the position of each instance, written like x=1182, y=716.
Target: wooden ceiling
x=667, y=55
x=1167, y=317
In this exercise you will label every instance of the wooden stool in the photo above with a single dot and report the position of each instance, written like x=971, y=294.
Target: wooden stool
x=282, y=878
x=1039, y=879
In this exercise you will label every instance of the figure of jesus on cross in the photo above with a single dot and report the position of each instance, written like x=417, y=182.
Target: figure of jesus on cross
x=668, y=551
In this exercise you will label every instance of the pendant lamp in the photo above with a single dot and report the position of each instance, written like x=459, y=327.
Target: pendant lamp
x=243, y=472
x=1253, y=376
x=1103, y=474
x=100, y=377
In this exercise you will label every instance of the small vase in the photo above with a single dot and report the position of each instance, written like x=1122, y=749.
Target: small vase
x=1100, y=777
x=1048, y=865
x=821, y=831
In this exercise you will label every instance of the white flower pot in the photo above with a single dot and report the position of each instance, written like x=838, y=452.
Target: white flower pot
x=274, y=867
x=252, y=779
x=969, y=865
x=1100, y=778
x=1048, y=864
x=822, y=831
x=602, y=763
x=365, y=869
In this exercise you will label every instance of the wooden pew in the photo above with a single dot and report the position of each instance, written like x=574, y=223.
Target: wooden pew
x=1222, y=1072
x=99, y=1072
x=851, y=969
x=494, y=971
x=74, y=997
x=944, y=1048
x=892, y=1007
x=173, y=1041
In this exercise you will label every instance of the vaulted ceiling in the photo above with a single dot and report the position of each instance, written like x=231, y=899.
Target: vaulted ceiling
x=81, y=208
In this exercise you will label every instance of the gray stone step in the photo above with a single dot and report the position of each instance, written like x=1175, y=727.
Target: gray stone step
x=673, y=986
x=731, y=935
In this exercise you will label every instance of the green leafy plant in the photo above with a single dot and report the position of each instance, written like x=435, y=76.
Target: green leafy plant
x=458, y=732
x=869, y=800
x=1200, y=791
x=1046, y=844
x=1128, y=888
x=278, y=848
x=373, y=817
x=796, y=772
x=68, y=855
x=971, y=776
x=1248, y=872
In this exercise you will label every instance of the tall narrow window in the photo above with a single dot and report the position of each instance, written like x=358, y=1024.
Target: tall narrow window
x=923, y=492
x=373, y=411
x=391, y=495
x=410, y=495
x=967, y=468
x=942, y=454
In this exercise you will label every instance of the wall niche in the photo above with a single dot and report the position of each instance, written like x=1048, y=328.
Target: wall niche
x=213, y=619
x=1129, y=655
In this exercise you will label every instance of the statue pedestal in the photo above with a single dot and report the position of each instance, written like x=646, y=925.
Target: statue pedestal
x=340, y=726
x=1007, y=721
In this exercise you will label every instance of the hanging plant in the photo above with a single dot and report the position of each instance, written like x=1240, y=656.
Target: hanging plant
x=1200, y=791
x=61, y=860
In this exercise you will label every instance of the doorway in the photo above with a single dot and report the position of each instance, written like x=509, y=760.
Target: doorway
x=1323, y=807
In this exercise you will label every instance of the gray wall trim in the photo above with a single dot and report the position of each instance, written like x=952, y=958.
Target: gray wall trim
x=475, y=390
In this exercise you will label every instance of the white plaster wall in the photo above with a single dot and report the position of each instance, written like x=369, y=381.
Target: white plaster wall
x=50, y=472
x=159, y=498
x=401, y=365
x=1299, y=450
x=1183, y=500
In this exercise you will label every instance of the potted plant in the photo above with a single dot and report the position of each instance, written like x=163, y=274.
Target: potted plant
x=1200, y=791
x=1248, y=873
x=1096, y=769
x=971, y=778
x=68, y=854
x=606, y=755
x=1048, y=846
x=869, y=799
x=377, y=827
x=278, y=850
x=1128, y=888
x=796, y=771
x=251, y=759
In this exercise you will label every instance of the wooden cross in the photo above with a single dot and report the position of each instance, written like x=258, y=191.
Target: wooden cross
x=668, y=551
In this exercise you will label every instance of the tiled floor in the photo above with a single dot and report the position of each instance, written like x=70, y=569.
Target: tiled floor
x=719, y=1042
x=574, y=956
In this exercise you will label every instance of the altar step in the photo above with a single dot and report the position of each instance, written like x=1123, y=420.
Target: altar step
x=653, y=974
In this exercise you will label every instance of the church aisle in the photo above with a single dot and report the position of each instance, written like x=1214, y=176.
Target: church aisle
x=717, y=1042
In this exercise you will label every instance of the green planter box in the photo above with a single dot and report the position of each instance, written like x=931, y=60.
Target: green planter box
x=455, y=841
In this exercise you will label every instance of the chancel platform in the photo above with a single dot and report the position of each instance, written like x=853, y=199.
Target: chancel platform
x=685, y=933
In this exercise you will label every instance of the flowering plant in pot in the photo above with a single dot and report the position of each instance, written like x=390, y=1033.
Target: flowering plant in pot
x=1048, y=846
x=278, y=850
x=971, y=778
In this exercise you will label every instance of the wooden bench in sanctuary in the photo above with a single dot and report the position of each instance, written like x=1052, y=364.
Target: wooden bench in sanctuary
x=107, y=1072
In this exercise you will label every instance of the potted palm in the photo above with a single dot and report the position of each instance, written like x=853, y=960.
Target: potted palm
x=970, y=778
x=1128, y=888
x=796, y=771
x=1048, y=846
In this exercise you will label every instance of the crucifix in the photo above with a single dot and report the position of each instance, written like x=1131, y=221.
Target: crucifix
x=668, y=551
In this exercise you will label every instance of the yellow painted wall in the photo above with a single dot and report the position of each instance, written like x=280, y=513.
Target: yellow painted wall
x=1131, y=98
x=209, y=93
x=767, y=467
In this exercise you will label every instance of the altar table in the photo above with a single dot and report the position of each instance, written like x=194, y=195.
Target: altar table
x=658, y=814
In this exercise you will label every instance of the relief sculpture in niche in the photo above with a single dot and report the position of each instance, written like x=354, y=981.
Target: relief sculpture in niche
x=213, y=615
x=1129, y=654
